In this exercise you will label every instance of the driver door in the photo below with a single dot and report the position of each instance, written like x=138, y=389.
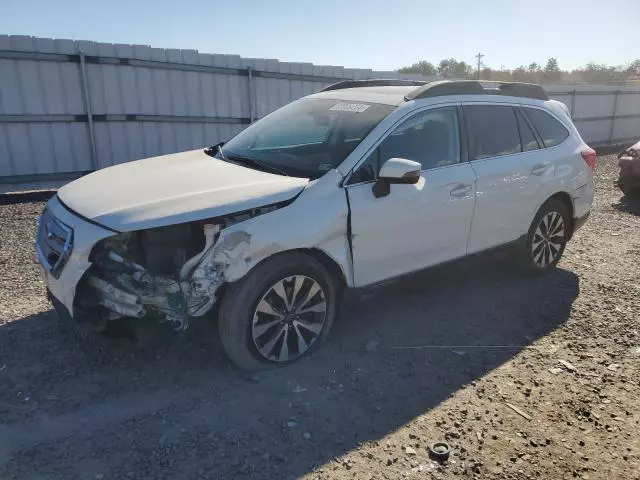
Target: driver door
x=416, y=225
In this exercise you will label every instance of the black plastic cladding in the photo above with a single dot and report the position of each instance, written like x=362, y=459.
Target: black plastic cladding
x=372, y=83
x=450, y=87
x=474, y=87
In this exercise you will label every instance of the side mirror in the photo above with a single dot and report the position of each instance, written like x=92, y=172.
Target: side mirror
x=398, y=171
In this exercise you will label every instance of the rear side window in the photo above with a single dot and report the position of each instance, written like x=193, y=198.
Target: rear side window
x=492, y=131
x=527, y=137
x=551, y=130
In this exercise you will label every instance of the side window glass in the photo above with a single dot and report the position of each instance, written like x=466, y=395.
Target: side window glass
x=492, y=131
x=430, y=137
x=551, y=130
x=527, y=137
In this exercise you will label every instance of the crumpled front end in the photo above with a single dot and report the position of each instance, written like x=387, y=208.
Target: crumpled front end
x=171, y=273
x=629, y=163
x=176, y=272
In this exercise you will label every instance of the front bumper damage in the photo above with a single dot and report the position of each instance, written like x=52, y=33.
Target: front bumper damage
x=128, y=289
x=101, y=281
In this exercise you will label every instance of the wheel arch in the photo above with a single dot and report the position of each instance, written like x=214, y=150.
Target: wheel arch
x=333, y=267
x=567, y=201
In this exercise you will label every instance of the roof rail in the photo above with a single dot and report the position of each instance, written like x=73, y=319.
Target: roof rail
x=476, y=87
x=376, y=82
x=517, y=89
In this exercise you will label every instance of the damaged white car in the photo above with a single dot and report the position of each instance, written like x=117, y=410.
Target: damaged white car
x=359, y=183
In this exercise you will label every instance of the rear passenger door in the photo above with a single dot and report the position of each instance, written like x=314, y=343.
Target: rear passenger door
x=511, y=170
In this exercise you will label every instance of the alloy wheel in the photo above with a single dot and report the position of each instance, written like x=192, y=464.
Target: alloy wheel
x=289, y=318
x=548, y=239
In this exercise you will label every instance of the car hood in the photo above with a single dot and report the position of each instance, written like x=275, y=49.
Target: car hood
x=171, y=189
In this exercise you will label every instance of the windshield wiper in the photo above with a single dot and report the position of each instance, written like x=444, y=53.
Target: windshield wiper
x=252, y=162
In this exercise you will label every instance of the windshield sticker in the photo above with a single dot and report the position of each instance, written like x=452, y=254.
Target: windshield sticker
x=350, y=107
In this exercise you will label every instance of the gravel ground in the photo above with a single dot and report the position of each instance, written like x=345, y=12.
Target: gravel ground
x=442, y=355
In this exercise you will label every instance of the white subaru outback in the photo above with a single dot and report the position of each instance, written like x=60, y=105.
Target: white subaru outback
x=356, y=184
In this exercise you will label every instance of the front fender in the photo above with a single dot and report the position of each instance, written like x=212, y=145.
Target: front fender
x=317, y=219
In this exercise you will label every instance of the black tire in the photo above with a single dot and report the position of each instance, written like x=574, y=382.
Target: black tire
x=241, y=299
x=630, y=192
x=547, y=252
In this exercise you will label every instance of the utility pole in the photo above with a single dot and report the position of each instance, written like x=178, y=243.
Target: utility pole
x=479, y=57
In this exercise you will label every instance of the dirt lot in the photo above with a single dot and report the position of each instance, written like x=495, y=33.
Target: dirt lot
x=438, y=356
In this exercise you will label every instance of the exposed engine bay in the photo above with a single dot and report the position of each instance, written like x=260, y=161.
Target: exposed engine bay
x=172, y=272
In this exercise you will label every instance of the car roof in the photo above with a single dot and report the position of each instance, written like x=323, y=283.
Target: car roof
x=396, y=92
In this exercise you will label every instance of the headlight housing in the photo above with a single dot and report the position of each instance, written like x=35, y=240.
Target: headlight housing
x=54, y=243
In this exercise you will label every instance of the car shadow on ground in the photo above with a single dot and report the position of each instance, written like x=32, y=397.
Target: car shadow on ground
x=629, y=204
x=397, y=351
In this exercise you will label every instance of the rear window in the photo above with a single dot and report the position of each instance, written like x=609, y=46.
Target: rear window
x=492, y=131
x=529, y=141
x=550, y=130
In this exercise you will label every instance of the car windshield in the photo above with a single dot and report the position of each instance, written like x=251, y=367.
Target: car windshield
x=305, y=138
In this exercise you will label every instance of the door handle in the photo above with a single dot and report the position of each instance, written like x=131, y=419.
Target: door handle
x=540, y=169
x=461, y=190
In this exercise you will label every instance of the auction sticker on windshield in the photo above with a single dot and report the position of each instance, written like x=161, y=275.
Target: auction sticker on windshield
x=350, y=107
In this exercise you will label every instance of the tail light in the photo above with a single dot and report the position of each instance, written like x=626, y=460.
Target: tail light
x=589, y=156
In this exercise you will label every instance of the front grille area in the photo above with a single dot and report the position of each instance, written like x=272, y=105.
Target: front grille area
x=54, y=242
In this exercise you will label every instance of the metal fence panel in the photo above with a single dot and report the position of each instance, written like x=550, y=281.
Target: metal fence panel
x=41, y=148
x=10, y=89
x=135, y=101
x=626, y=128
x=587, y=106
x=628, y=105
x=594, y=132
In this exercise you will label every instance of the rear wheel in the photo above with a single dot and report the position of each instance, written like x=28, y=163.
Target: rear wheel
x=547, y=238
x=280, y=312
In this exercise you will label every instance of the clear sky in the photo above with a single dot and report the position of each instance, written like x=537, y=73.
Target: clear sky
x=378, y=34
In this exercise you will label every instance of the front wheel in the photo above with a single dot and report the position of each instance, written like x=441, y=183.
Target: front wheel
x=547, y=238
x=280, y=312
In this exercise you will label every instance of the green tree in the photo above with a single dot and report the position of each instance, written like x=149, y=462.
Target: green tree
x=552, y=71
x=421, y=68
x=486, y=74
x=552, y=65
x=519, y=74
x=452, y=68
x=533, y=72
x=634, y=68
x=595, y=73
